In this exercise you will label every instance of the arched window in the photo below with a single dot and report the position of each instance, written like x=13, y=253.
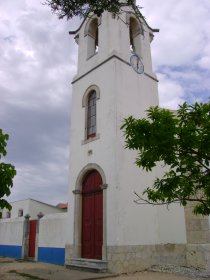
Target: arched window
x=91, y=115
x=91, y=31
x=89, y=103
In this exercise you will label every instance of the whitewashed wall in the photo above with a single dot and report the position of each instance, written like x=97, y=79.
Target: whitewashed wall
x=122, y=93
x=122, y=176
x=52, y=230
x=11, y=237
x=52, y=238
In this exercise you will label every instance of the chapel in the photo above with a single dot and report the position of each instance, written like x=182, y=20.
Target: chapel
x=106, y=229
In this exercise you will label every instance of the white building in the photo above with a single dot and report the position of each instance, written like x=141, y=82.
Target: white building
x=29, y=207
x=30, y=228
x=106, y=229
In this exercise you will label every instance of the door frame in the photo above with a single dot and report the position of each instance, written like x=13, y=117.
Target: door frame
x=77, y=246
x=32, y=238
x=92, y=207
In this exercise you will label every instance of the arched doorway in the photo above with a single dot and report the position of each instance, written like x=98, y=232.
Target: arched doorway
x=92, y=216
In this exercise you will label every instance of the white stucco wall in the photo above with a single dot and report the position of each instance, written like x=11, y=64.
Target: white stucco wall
x=11, y=231
x=122, y=93
x=53, y=230
x=127, y=223
x=171, y=224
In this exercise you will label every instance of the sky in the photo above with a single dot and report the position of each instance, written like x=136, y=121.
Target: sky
x=38, y=60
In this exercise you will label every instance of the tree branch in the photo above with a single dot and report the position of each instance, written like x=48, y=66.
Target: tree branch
x=178, y=200
x=145, y=201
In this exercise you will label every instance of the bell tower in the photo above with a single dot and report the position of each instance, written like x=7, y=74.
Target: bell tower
x=107, y=230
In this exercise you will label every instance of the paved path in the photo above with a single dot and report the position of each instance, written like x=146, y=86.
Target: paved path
x=23, y=270
x=19, y=270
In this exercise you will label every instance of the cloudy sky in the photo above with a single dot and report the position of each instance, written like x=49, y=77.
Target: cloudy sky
x=38, y=61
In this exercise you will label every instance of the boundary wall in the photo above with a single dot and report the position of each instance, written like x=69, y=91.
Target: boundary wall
x=52, y=238
x=51, y=233
x=11, y=237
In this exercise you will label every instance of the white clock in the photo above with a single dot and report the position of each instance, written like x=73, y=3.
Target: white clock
x=136, y=63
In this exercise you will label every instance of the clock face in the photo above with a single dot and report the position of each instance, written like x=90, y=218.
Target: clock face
x=137, y=64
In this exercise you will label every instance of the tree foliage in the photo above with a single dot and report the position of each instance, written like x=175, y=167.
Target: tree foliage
x=7, y=172
x=68, y=9
x=181, y=141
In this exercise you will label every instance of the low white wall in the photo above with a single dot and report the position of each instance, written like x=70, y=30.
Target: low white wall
x=11, y=237
x=52, y=238
x=53, y=230
x=11, y=231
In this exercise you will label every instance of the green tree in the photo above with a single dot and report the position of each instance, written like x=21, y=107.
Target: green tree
x=181, y=141
x=69, y=9
x=7, y=173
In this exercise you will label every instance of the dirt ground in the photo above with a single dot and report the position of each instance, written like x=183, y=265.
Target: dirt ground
x=23, y=270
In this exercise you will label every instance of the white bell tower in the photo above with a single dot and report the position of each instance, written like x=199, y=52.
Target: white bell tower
x=106, y=228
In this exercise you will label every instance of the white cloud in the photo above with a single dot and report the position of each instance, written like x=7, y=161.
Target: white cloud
x=184, y=29
x=35, y=75
x=171, y=94
x=181, y=51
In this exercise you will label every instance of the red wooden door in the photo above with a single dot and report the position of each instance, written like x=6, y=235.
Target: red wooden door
x=92, y=216
x=32, y=238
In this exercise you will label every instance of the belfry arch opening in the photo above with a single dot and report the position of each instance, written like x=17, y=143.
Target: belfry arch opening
x=136, y=34
x=91, y=31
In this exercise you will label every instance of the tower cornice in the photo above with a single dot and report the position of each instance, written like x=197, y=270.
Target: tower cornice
x=114, y=55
